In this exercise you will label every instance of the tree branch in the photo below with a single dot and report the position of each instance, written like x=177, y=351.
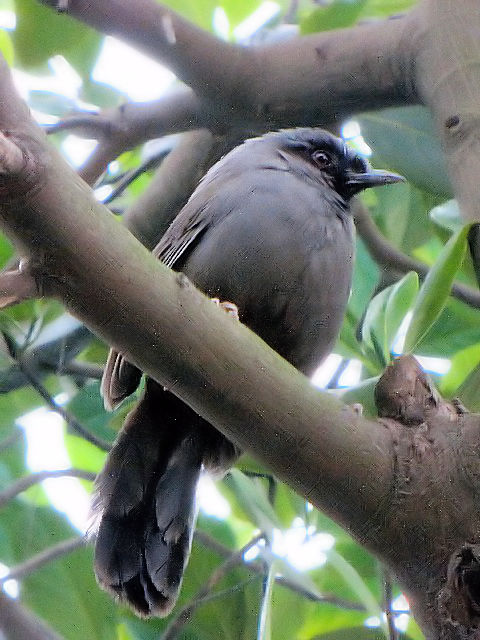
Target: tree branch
x=71, y=421
x=18, y=623
x=387, y=604
x=17, y=286
x=29, y=481
x=44, y=557
x=309, y=80
x=124, y=127
x=80, y=369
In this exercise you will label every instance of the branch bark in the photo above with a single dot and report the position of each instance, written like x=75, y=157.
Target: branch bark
x=310, y=80
x=17, y=623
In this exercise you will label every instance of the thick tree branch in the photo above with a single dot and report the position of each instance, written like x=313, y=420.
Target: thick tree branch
x=313, y=79
x=450, y=85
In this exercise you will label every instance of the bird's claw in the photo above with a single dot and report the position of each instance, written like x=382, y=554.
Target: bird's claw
x=357, y=408
x=62, y=6
x=229, y=307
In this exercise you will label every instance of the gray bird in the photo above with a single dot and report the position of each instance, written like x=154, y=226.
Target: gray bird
x=268, y=228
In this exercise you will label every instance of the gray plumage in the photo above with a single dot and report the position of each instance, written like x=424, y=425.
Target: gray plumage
x=268, y=228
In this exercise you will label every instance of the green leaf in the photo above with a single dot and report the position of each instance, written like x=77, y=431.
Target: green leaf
x=373, y=329
x=6, y=46
x=253, y=499
x=362, y=393
x=338, y=15
x=356, y=583
x=435, y=290
x=447, y=215
x=404, y=139
x=63, y=592
x=455, y=329
x=41, y=33
x=399, y=302
x=198, y=11
x=386, y=8
x=288, y=504
x=87, y=407
x=237, y=12
x=468, y=390
x=461, y=366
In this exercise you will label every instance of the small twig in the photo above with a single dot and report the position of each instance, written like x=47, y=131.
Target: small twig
x=88, y=124
x=131, y=176
x=124, y=127
x=187, y=611
x=259, y=568
x=35, y=478
x=39, y=560
x=333, y=382
x=72, y=422
x=81, y=369
x=387, y=255
x=387, y=604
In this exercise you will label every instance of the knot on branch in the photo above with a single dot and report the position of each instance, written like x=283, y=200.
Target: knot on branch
x=405, y=393
x=459, y=600
x=21, y=169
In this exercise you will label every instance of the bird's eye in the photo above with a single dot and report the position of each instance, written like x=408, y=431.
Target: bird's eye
x=322, y=159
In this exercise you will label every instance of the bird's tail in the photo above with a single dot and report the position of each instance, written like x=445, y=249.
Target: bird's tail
x=144, y=503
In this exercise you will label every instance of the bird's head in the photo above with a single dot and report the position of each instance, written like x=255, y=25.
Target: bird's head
x=330, y=159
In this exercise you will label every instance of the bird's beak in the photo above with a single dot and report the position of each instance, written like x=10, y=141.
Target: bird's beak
x=373, y=178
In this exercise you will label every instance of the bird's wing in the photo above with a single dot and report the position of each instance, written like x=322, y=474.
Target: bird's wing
x=184, y=231
x=120, y=378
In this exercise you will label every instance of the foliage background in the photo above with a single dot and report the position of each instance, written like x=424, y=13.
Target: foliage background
x=418, y=218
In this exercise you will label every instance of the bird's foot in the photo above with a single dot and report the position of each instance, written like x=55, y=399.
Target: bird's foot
x=229, y=307
x=357, y=408
x=62, y=6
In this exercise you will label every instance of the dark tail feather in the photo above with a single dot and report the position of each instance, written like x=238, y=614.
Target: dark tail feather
x=144, y=505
